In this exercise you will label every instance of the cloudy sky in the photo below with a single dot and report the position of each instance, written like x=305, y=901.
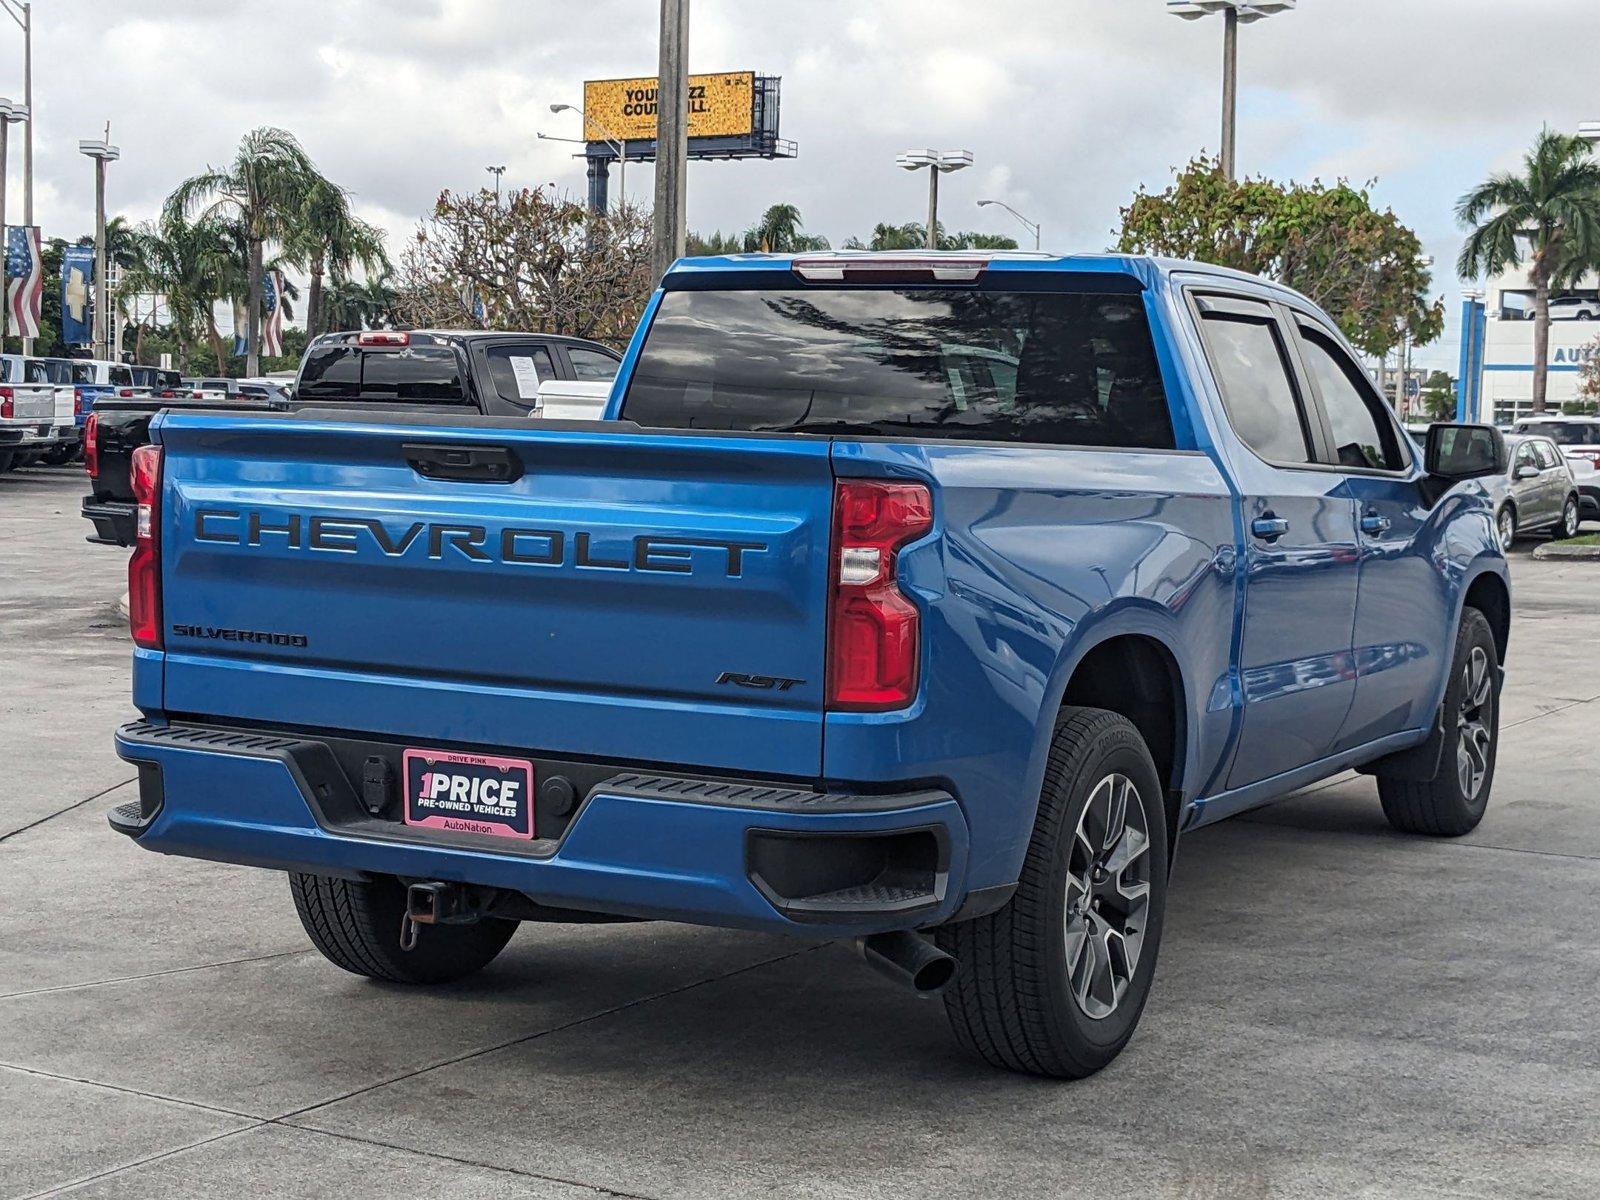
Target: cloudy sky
x=1068, y=105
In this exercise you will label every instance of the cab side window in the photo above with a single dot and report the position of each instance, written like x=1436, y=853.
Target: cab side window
x=1363, y=436
x=1252, y=371
x=591, y=364
x=1526, y=457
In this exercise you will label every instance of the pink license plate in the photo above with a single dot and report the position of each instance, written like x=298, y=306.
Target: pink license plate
x=469, y=793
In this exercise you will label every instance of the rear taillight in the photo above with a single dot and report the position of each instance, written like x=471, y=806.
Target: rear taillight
x=874, y=630
x=144, y=568
x=7, y=403
x=91, y=446
x=77, y=401
x=125, y=393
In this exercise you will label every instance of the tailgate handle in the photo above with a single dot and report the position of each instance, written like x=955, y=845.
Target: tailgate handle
x=464, y=464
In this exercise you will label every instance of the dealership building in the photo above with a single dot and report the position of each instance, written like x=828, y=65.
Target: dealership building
x=1498, y=332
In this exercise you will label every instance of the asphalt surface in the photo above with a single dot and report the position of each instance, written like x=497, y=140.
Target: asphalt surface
x=1339, y=1010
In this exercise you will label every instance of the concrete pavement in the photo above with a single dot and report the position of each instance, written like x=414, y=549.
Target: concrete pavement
x=1339, y=1010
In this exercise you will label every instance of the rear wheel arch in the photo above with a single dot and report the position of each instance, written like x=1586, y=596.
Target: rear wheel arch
x=1138, y=677
x=1489, y=594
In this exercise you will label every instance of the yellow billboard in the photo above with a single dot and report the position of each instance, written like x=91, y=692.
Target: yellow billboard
x=720, y=105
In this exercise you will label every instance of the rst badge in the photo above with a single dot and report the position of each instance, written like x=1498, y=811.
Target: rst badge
x=469, y=793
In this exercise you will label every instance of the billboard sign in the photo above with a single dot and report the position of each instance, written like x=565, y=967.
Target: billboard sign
x=721, y=105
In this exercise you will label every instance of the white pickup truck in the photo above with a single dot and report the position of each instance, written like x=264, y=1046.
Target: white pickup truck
x=27, y=413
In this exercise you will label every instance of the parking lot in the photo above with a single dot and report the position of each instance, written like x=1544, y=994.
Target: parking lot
x=1339, y=1010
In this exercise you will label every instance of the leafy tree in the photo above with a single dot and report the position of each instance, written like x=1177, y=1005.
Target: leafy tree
x=362, y=304
x=1361, y=265
x=1547, y=217
x=913, y=235
x=266, y=188
x=1439, y=396
x=718, y=243
x=328, y=237
x=780, y=231
x=533, y=260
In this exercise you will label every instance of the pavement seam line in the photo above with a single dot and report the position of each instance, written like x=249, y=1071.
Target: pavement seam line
x=554, y=1029
x=60, y=1189
x=1401, y=838
x=362, y=1140
x=1551, y=712
x=133, y=1091
x=5, y=837
x=94, y=983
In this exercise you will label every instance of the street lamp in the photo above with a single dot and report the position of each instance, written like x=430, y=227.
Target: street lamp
x=102, y=152
x=1235, y=13
x=620, y=145
x=936, y=162
x=496, y=172
x=21, y=12
x=1589, y=131
x=9, y=114
x=1032, y=227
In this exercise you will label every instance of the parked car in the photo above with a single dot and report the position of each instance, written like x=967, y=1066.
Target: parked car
x=27, y=414
x=1574, y=308
x=1537, y=493
x=796, y=642
x=1579, y=439
x=420, y=372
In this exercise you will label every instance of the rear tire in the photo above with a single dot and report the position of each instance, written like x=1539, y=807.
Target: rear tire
x=357, y=926
x=8, y=459
x=1571, y=515
x=1453, y=801
x=1506, y=527
x=60, y=456
x=1054, y=982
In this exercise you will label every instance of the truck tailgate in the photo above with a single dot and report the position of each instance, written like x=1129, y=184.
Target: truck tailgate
x=612, y=601
x=31, y=402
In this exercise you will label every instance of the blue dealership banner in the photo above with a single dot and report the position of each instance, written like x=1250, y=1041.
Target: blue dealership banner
x=77, y=308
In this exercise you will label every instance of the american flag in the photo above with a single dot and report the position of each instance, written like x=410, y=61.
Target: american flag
x=24, y=278
x=272, y=327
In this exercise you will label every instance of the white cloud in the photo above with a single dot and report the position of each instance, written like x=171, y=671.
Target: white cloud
x=1068, y=105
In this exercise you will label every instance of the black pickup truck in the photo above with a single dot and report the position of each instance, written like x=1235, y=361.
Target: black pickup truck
x=495, y=374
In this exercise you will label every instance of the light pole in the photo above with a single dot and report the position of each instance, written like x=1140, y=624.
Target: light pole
x=496, y=172
x=102, y=153
x=1235, y=13
x=1032, y=227
x=620, y=145
x=936, y=162
x=22, y=14
x=672, y=135
x=9, y=114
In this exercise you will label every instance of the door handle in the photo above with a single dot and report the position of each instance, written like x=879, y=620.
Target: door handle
x=464, y=464
x=1269, y=528
x=1374, y=523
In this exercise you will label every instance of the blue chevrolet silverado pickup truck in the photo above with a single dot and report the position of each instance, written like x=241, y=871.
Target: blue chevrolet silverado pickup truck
x=919, y=600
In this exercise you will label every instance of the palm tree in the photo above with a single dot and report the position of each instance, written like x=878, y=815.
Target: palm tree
x=265, y=187
x=328, y=236
x=779, y=231
x=361, y=305
x=1547, y=216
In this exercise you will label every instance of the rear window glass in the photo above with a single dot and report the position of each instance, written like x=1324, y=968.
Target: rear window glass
x=83, y=373
x=917, y=362
x=121, y=377
x=417, y=372
x=1564, y=433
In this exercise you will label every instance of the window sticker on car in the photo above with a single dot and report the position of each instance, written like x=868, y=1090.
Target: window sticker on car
x=527, y=373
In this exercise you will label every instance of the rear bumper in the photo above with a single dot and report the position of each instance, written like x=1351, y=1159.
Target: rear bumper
x=35, y=435
x=744, y=854
x=1589, y=499
x=113, y=521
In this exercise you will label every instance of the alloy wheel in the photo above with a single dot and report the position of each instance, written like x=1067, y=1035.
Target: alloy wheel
x=1108, y=896
x=1475, y=742
x=1508, y=529
x=1569, y=518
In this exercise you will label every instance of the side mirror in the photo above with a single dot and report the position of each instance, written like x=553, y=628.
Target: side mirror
x=1457, y=452
x=1527, y=473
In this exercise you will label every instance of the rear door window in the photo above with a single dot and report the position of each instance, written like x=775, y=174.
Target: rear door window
x=1548, y=458
x=1252, y=372
x=1071, y=369
x=517, y=371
